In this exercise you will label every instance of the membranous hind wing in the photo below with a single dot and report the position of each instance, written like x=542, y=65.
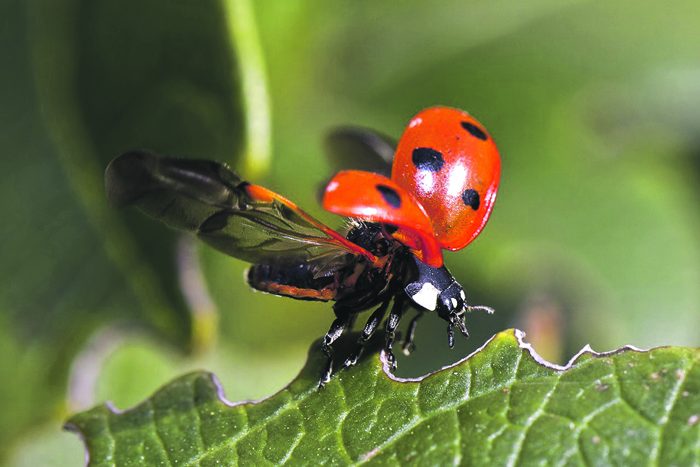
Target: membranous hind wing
x=360, y=148
x=244, y=221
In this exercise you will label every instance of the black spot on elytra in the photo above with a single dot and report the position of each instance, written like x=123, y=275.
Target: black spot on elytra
x=475, y=131
x=471, y=198
x=428, y=159
x=390, y=195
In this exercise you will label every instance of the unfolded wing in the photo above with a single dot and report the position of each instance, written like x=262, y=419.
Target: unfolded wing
x=360, y=149
x=209, y=200
x=376, y=198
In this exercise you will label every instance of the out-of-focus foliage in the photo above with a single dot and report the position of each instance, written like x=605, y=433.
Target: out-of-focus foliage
x=594, y=239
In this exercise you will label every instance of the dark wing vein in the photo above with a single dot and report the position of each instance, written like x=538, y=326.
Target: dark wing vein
x=208, y=199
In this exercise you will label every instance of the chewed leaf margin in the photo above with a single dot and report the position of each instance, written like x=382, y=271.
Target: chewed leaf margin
x=501, y=405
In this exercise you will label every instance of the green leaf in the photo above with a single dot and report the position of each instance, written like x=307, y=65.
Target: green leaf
x=107, y=84
x=503, y=405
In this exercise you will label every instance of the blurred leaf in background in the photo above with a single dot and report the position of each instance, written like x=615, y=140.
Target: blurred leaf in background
x=594, y=238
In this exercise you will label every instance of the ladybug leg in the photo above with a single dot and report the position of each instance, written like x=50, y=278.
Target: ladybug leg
x=392, y=323
x=455, y=320
x=370, y=327
x=450, y=336
x=462, y=326
x=344, y=319
x=408, y=345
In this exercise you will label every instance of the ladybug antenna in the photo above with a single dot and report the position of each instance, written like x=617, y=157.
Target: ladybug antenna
x=487, y=309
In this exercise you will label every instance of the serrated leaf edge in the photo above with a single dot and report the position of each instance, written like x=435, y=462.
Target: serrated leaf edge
x=519, y=336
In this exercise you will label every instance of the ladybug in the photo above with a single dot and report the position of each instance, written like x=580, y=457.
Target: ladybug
x=439, y=195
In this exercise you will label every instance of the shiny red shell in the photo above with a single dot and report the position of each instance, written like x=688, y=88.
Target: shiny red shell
x=376, y=198
x=451, y=166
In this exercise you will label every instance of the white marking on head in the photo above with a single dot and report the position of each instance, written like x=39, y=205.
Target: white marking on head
x=427, y=296
x=454, y=302
x=461, y=294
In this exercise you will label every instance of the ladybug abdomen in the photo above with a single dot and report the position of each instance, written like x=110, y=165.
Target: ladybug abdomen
x=296, y=282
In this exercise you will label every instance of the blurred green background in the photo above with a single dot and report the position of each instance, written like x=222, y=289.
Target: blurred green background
x=594, y=238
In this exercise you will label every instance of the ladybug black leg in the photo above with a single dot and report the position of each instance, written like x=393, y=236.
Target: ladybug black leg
x=459, y=321
x=455, y=320
x=344, y=319
x=391, y=324
x=372, y=323
x=408, y=345
x=450, y=336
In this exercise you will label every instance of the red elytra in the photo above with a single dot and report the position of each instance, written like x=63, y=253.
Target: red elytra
x=376, y=198
x=451, y=166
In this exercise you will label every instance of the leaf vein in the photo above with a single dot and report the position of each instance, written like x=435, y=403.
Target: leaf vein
x=157, y=432
x=201, y=448
x=517, y=448
x=296, y=443
x=668, y=408
x=616, y=378
x=339, y=432
x=113, y=444
x=583, y=423
x=458, y=440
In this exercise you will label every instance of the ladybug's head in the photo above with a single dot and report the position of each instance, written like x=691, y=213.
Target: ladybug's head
x=436, y=290
x=452, y=300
